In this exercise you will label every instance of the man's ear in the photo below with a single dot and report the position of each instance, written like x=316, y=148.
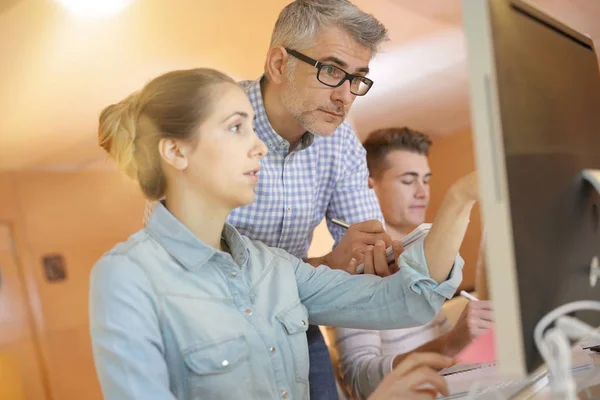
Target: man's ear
x=173, y=154
x=371, y=183
x=276, y=64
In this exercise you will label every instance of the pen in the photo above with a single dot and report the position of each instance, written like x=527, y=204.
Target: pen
x=341, y=223
x=361, y=268
x=468, y=296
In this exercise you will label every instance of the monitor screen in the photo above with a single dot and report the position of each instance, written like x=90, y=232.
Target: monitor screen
x=535, y=106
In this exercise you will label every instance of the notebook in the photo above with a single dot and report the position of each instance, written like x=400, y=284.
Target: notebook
x=464, y=367
x=480, y=350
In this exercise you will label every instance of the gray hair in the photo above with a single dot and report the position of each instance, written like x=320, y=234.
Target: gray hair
x=301, y=21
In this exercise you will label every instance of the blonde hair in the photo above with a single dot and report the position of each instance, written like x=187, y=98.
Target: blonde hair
x=170, y=106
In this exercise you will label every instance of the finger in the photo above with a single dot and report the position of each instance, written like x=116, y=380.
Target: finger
x=479, y=313
x=427, y=376
x=421, y=394
x=387, y=240
x=415, y=360
x=380, y=260
x=359, y=255
x=351, y=269
x=368, y=261
x=371, y=226
x=485, y=315
x=476, y=320
x=371, y=238
x=480, y=324
x=392, y=268
x=481, y=305
x=485, y=326
x=398, y=249
x=396, y=389
x=478, y=332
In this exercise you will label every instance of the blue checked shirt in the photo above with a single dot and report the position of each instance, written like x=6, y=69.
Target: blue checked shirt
x=322, y=177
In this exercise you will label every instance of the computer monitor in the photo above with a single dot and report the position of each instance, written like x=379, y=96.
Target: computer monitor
x=535, y=109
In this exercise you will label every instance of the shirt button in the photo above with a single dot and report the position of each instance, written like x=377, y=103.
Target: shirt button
x=248, y=311
x=282, y=143
x=284, y=394
x=272, y=349
x=289, y=208
x=233, y=274
x=224, y=363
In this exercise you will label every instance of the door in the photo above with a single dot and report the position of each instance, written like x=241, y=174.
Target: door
x=20, y=362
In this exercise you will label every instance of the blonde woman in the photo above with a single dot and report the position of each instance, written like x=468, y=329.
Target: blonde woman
x=188, y=308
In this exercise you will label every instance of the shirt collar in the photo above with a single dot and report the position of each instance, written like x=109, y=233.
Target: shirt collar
x=185, y=247
x=263, y=127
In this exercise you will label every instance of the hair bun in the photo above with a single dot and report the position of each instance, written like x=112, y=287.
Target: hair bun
x=117, y=133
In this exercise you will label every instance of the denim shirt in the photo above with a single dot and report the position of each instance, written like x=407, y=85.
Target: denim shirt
x=173, y=318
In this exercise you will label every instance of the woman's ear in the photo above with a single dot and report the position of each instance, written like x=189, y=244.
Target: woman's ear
x=371, y=185
x=276, y=64
x=173, y=153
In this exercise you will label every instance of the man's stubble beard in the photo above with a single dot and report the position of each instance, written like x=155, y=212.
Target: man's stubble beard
x=302, y=111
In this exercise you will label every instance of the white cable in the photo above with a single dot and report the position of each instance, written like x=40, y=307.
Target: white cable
x=554, y=345
x=553, y=315
x=575, y=328
x=558, y=350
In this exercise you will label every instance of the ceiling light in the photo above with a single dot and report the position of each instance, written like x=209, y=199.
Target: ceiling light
x=94, y=8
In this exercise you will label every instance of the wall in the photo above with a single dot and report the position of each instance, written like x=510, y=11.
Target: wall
x=451, y=157
x=20, y=368
x=79, y=215
x=82, y=215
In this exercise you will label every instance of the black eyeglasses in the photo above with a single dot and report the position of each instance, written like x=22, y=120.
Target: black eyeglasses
x=333, y=76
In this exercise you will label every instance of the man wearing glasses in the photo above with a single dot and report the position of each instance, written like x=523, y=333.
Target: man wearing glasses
x=316, y=66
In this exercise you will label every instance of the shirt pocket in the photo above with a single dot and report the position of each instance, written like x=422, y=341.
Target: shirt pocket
x=295, y=323
x=212, y=367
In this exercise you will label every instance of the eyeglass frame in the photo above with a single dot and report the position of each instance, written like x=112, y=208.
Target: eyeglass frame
x=319, y=65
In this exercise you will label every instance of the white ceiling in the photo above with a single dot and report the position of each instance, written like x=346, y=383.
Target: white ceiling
x=58, y=71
